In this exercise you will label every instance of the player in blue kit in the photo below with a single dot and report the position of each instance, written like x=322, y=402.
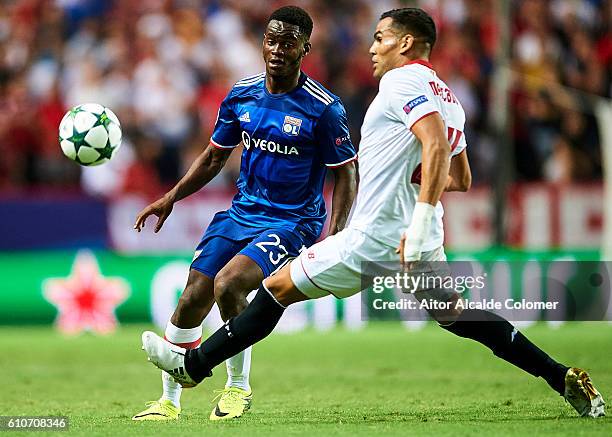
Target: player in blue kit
x=293, y=130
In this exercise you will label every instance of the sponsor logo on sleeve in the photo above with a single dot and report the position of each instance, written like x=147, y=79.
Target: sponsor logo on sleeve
x=414, y=103
x=343, y=139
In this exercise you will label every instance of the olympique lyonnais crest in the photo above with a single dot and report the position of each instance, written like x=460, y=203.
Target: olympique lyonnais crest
x=86, y=300
x=291, y=125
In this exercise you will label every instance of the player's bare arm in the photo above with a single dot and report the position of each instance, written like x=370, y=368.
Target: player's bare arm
x=345, y=187
x=459, y=175
x=204, y=168
x=435, y=163
x=435, y=157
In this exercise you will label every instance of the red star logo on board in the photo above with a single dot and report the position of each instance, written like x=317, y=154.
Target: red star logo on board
x=86, y=300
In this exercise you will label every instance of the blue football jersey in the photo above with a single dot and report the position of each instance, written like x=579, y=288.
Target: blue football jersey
x=290, y=140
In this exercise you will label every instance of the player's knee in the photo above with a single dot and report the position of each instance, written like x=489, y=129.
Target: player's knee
x=193, y=298
x=228, y=291
x=198, y=292
x=283, y=289
x=277, y=285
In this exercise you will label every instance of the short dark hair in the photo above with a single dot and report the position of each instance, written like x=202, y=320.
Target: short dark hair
x=294, y=15
x=415, y=21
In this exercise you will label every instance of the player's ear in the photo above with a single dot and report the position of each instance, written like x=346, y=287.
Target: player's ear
x=406, y=43
x=307, y=47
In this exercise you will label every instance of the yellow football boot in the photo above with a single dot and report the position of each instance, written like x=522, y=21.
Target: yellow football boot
x=159, y=410
x=233, y=402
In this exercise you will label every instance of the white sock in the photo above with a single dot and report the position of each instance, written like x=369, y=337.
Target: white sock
x=184, y=338
x=171, y=390
x=238, y=369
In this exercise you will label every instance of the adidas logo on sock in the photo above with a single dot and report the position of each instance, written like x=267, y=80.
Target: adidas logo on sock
x=245, y=117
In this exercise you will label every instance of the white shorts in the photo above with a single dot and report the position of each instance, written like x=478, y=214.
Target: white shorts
x=333, y=266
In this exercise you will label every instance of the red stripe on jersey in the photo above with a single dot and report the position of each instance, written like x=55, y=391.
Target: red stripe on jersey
x=458, y=135
x=416, y=174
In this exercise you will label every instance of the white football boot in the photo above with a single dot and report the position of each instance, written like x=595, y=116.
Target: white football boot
x=168, y=357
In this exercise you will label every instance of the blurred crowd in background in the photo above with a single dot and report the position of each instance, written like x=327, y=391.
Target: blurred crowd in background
x=164, y=66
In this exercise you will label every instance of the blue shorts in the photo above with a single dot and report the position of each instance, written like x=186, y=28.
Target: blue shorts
x=270, y=248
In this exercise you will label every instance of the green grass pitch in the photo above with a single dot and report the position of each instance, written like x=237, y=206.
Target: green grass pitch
x=382, y=380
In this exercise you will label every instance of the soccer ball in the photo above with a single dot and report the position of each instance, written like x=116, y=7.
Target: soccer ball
x=90, y=134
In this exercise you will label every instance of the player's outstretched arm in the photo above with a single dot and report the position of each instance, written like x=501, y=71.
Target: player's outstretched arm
x=345, y=187
x=435, y=165
x=459, y=175
x=205, y=167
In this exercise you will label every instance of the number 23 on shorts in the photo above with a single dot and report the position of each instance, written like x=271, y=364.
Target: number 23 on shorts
x=272, y=246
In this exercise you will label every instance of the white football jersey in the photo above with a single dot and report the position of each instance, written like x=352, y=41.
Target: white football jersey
x=390, y=154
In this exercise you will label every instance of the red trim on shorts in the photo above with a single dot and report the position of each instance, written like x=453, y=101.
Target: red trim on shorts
x=190, y=345
x=421, y=118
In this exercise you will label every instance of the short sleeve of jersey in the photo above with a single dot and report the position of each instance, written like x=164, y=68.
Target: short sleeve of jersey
x=461, y=144
x=332, y=134
x=227, y=127
x=409, y=99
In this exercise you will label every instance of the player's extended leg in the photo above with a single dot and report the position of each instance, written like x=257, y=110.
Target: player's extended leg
x=509, y=344
x=257, y=321
x=185, y=330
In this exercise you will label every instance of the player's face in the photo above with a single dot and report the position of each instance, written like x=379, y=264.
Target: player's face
x=387, y=48
x=284, y=46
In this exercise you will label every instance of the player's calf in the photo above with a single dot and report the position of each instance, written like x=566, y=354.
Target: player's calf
x=508, y=343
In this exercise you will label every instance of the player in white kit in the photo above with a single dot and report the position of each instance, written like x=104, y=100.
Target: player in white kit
x=412, y=149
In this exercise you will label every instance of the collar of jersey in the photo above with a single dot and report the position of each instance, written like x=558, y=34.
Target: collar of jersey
x=301, y=81
x=420, y=61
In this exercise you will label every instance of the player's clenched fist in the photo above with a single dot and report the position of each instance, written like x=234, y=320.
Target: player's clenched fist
x=161, y=208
